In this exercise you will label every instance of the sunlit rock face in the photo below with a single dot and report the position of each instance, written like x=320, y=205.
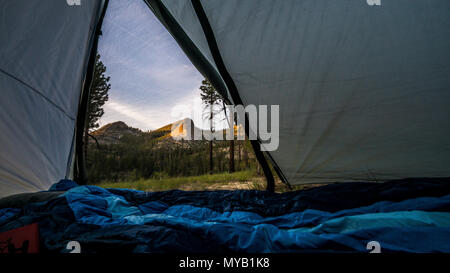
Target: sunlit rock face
x=184, y=129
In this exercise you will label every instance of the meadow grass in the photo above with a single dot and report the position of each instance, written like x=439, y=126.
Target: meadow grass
x=248, y=179
x=200, y=182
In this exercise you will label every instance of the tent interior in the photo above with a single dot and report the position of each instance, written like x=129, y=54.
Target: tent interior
x=363, y=94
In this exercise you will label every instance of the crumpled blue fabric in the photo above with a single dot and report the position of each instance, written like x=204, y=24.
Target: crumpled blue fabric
x=8, y=213
x=63, y=185
x=102, y=220
x=87, y=199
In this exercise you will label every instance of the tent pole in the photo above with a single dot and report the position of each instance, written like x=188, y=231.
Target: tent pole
x=80, y=161
x=232, y=89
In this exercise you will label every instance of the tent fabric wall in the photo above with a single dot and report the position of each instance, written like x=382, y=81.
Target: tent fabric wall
x=363, y=90
x=44, y=52
x=191, y=37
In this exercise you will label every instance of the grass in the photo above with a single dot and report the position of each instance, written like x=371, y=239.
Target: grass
x=244, y=180
x=201, y=182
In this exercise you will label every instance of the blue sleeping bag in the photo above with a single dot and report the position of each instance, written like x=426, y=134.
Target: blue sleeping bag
x=105, y=220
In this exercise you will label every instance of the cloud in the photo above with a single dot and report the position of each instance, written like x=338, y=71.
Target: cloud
x=135, y=116
x=119, y=111
x=156, y=115
x=150, y=74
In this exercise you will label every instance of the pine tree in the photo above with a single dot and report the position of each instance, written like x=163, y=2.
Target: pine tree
x=97, y=98
x=211, y=98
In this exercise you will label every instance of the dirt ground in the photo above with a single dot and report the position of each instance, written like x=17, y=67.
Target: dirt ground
x=257, y=183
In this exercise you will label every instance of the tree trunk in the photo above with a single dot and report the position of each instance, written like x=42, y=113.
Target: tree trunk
x=231, y=156
x=239, y=155
x=211, y=167
x=245, y=156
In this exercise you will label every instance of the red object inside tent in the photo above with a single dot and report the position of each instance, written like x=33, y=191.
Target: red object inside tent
x=20, y=240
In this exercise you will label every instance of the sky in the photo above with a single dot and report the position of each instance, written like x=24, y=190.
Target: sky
x=153, y=83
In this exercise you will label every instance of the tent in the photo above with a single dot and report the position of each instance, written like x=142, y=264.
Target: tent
x=363, y=89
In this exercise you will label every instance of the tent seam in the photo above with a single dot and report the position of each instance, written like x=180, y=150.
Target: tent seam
x=37, y=92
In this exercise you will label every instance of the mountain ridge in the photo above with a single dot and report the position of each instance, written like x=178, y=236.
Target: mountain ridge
x=175, y=132
x=111, y=133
